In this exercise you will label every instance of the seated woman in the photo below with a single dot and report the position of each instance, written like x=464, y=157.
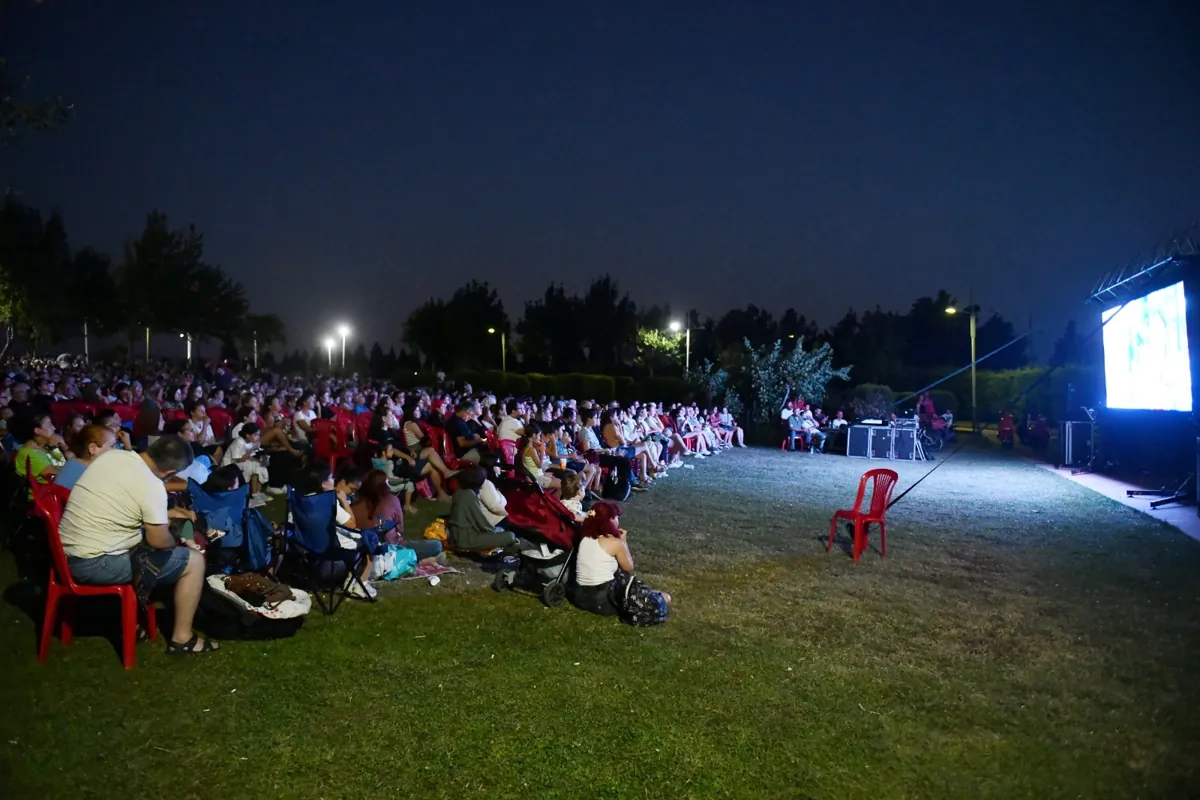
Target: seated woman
x=466, y=527
x=615, y=440
x=559, y=448
x=243, y=453
x=376, y=507
x=603, y=551
x=416, y=443
x=42, y=450
x=320, y=479
x=533, y=457
x=87, y=443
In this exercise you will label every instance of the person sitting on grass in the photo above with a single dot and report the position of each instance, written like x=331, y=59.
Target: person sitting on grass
x=119, y=505
x=243, y=452
x=603, y=551
x=376, y=507
x=86, y=444
x=466, y=527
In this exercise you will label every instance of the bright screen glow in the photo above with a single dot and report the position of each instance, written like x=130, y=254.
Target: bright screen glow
x=1146, y=364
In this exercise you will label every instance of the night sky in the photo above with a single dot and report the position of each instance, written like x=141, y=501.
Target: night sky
x=349, y=160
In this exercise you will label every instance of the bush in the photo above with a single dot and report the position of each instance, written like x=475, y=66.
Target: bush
x=944, y=401
x=601, y=388
x=627, y=390
x=517, y=385
x=872, y=401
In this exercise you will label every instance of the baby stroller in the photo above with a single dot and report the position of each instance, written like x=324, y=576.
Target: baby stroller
x=549, y=536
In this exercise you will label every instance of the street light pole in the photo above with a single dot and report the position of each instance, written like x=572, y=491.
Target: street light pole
x=972, y=311
x=687, y=358
x=503, y=350
x=974, y=407
x=329, y=349
x=344, y=331
x=256, y=349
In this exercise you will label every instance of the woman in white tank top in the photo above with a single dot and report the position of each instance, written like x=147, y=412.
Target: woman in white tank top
x=602, y=552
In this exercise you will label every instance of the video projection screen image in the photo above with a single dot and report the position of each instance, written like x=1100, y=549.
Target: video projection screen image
x=1146, y=364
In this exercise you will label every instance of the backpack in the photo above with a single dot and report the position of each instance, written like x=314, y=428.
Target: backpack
x=638, y=604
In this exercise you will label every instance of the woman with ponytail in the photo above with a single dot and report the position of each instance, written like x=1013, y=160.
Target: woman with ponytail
x=604, y=572
x=85, y=444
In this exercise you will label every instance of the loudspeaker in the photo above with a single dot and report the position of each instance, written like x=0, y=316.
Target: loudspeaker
x=881, y=442
x=905, y=444
x=858, y=441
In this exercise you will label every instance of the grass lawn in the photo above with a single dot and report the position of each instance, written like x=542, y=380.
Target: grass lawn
x=1023, y=638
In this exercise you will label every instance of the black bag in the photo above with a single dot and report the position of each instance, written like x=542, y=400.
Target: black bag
x=223, y=618
x=638, y=604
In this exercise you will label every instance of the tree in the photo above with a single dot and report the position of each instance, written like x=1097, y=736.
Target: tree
x=18, y=115
x=34, y=259
x=776, y=372
x=657, y=350
x=550, y=329
x=263, y=329
x=609, y=323
x=740, y=324
x=428, y=330
x=165, y=285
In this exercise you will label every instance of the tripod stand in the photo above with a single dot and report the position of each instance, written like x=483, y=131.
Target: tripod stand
x=1183, y=495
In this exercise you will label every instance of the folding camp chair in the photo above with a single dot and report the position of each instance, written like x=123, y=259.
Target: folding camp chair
x=312, y=540
x=243, y=547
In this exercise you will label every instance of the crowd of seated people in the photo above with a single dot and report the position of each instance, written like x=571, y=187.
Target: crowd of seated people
x=123, y=440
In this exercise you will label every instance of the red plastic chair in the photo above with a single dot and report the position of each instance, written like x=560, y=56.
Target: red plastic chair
x=881, y=495
x=324, y=447
x=508, y=452
x=174, y=415
x=362, y=426
x=221, y=420
x=62, y=587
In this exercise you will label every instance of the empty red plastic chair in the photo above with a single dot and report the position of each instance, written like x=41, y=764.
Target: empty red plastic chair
x=881, y=494
x=62, y=592
x=325, y=448
x=221, y=421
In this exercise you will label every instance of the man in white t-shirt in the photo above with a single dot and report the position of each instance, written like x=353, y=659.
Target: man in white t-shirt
x=119, y=504
x=511, y=428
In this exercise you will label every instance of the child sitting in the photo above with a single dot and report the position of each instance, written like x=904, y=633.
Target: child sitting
x=572, y=495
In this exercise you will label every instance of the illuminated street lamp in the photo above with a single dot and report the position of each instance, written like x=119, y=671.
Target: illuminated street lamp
x=503, y=350
x=676, y=326
x=343, y=331
x=329, y=343
x=971, y=310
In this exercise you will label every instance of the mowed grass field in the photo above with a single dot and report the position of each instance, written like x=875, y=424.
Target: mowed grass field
x=1024, y=638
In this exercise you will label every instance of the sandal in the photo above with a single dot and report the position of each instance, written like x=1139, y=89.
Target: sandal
x=188, y=648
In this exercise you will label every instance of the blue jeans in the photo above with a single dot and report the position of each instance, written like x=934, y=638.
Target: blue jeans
x=424, y=548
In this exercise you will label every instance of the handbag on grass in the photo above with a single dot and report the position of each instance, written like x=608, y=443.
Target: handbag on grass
x=638, y=604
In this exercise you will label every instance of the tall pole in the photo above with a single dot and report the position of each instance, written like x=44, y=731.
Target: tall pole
x=974, y=409
x=189, y=349
x=503, y=353
x=86, y=355
x=343, y=351
x=256, y=349
x=329, y=349
x=687, y=358
x=147, y=344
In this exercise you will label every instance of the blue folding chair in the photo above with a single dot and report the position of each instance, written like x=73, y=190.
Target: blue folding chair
x=225, y=511
x=312, y=540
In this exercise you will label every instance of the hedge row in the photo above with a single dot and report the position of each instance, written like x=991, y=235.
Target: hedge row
x=1018, y=390
x=602, y=388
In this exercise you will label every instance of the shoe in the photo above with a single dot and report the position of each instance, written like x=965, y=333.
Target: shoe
x=257, y=501
x=638, y=489
x=276, y=490
x=689, y=466
x=363, y=592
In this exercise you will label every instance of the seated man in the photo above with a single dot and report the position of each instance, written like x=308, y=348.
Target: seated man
x=795, y=426
x=118, y=514
x=466, y=442
x=814, y=437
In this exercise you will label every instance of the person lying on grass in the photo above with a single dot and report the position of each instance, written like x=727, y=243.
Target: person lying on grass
x=117, y=516
x=603, y=552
